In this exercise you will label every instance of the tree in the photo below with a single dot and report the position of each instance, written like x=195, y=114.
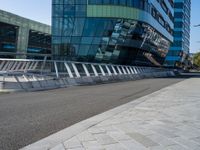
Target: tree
x=196, y=59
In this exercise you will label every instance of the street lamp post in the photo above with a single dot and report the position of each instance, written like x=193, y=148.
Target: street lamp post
x=197, y=25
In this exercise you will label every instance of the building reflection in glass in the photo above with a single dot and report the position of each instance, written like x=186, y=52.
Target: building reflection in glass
x=105, y=40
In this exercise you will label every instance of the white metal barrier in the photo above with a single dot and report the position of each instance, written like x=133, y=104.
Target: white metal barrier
x=68, y=68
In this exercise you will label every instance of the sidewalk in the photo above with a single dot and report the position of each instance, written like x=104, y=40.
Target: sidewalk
x=168, y=119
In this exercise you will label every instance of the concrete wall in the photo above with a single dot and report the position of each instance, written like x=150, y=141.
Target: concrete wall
x=25, y=25
x=19, y=83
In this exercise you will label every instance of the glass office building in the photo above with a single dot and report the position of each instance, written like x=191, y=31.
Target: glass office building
x=127, y=32
x=178, y=55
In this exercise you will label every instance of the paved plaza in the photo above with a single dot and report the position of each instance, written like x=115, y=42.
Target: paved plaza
x=168, y=119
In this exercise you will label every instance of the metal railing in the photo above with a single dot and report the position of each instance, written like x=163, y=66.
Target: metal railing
x=59, y=69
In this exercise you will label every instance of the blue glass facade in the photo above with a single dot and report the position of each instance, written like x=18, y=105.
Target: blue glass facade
x=133, y=32
x=179, y=52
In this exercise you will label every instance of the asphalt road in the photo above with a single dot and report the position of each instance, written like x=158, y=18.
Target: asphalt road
x=28, y=117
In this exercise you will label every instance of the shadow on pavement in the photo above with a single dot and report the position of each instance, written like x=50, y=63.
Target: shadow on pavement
x=184, y=75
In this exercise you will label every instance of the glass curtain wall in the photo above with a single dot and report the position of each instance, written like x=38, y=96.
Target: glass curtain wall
x=38, y=44
x=178, y=55
x=77, y=37
x=8, y=40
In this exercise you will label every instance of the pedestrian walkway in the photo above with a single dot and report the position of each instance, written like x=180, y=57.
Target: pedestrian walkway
x=168, y=119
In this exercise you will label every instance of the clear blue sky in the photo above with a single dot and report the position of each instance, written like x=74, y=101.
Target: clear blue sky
x=40, y=10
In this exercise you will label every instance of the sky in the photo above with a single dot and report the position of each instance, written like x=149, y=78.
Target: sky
x=40, y=10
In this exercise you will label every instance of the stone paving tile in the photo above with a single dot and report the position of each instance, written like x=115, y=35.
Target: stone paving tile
x=96, y=130
x=96, y=148
x=187, y=143
x=72, y=143
x=165, y=133
x=104, y=139
x=92, y=145
x=126, y=127
x=79, y=148
x=108, y=128
x=159, y=148
x=161, y=140
x=165, y=120
x=197, y=139
x=85, y=136
x=58, y=147
x=116, y=146
x=188, y=134
x=144, y=140
x=191, y=129
x=145, y=131
x=176, y=147
x=133, y=145
x=119, y=136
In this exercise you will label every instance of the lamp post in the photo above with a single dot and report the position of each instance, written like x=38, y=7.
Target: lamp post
x=198, y=25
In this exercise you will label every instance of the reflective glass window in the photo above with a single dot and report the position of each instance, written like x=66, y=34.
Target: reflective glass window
x=90, y=27
x=83, y=50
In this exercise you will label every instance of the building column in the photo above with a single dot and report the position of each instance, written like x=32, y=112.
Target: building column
x=22, y=42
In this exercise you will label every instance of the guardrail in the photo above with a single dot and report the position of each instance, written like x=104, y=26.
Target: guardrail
x=58, y=69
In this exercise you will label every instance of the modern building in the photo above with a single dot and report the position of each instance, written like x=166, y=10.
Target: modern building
x=134, y=32
x=23, y=38
x=178, y=55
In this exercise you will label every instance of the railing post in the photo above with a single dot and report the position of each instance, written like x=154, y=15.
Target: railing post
x=43, y=65
x=128, y=70
x=68, y=70
x=14, y=66
x=115, y=72
x=23, y=65
x=102, y=71
x=35, y=66
x=56, y=69
x=2, y=64
x=31, y=65
x=86, y=70
x=131, y=70
x=18, y=65
x=9, y=66
x=142, y=69
x=120, y=72
x=124, y=71
x=26, y=67
x=6, y=65
x=135, y=70
x=76, y=70
x=94, y=70
x=138, y=70
x=109, y=72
